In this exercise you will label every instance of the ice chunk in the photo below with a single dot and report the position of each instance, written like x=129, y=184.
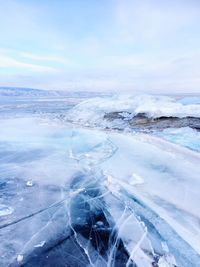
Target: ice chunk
x=29, y=183
x=41, y=244
x=5, y=210
x=20, y=258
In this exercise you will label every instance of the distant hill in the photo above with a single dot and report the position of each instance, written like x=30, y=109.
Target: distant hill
x=15, y=91
x=30, y=92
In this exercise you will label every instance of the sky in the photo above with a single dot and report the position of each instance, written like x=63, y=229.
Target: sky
x=101, y=45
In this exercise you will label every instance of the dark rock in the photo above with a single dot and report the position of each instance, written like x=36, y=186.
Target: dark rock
x=142, y=121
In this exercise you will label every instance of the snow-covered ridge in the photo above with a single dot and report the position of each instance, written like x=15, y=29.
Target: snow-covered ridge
x=95, y=111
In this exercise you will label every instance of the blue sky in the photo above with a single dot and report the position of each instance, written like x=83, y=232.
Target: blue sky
x=135, y=45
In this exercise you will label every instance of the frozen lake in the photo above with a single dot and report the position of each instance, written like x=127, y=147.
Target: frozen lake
x=99, y=181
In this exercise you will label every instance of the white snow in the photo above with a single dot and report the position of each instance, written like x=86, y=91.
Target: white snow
x=92, y=111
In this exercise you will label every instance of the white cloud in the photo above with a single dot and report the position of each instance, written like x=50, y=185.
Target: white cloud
x=140, y=21
x=10, y=62
x=141, y=44
x=47, y=58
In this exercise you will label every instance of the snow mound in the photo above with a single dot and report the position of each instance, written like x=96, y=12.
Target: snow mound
x=92, y=112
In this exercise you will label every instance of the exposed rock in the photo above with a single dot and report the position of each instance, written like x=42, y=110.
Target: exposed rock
x=115, y=115
x=142, y=121
x=165, y=122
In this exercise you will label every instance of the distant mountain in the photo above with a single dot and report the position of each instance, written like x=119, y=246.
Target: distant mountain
x=15, y=91
x=30, y=92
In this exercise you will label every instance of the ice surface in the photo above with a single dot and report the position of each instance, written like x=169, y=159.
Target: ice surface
x=73, y=196
x=184, y=136
x=190, y=100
